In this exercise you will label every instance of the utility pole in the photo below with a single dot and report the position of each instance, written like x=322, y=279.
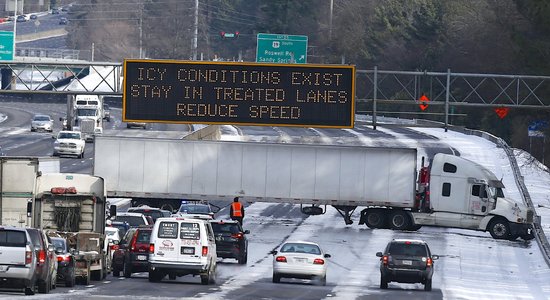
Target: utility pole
x=141, y=30
x=14, y=26
x=196, y=33
x=330, y=20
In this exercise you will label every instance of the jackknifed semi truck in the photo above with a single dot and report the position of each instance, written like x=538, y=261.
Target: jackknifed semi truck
x=385, y=182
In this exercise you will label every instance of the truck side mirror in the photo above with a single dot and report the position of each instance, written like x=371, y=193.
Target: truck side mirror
x=29, y=208
x=112, y=210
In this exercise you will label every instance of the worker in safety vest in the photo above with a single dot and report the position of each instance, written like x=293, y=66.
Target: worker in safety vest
x=236, y=212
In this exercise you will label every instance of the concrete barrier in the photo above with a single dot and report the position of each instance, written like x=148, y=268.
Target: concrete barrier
x=210, y=132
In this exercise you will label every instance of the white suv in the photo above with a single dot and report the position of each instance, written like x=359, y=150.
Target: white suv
x=182, y=246
x=17, y=260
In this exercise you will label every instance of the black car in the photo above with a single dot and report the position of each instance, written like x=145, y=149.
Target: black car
x=153, y=212
x=196, y=209
x=65, y=262
x=407, y=261
x=21, y=18
x=33, y=17
x=231, y=241
x=63, y=21
x=132, y=255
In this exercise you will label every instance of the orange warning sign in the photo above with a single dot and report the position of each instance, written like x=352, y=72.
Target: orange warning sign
x=423, y=102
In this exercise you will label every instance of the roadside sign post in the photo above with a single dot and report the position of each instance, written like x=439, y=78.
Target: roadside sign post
x=6, y=45
x=281, y=48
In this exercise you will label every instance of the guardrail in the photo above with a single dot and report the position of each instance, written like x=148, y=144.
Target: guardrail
x=541, y=238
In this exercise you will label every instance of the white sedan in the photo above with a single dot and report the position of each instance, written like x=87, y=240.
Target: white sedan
x=304, y=260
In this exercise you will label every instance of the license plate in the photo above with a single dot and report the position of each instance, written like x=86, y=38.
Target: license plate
x=301, y=260
x=3, y=268
x=407, y=262
x=142, y=257
x=187, y=250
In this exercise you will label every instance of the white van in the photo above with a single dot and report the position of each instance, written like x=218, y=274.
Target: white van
x=182, y=246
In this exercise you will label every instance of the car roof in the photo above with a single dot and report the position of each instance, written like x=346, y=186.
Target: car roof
x=113, y=229
x=410, y=241
x=224, y=221
x=57, y=238
x=12, y=228
x=41, y=115
x=302, y=242
x=144, y=207
x=130, y=214
x=191, y=219
x=68, y=131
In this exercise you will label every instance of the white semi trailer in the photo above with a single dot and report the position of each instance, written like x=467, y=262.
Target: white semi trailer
x=453, y=192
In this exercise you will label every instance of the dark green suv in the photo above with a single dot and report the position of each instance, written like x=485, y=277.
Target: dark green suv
x=407, y=261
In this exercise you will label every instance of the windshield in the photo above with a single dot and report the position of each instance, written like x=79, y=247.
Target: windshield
x=195, y=209
x=301, y=248
x=59, y=243
x=67, y=135
x=41, y=118
x=86, y=112
x=132, y=220
x=495, y=192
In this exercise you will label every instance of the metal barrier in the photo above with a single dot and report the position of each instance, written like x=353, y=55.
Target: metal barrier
x=541, y=238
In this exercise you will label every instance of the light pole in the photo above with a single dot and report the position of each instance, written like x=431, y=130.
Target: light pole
x=14, y=26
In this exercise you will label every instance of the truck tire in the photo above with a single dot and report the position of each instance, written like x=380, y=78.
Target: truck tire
x=376, y=218
x=499, y=228
x=399, y=220
x=276, y=278
x=414, y=227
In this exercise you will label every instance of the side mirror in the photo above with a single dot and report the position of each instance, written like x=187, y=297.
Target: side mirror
x=51, y=248
x=246, y=231
x=112, y=210
x=274, y=252
x=379, y=254
x=327, y=255
x=53, y=136
x=29, y=209
x=435, y=257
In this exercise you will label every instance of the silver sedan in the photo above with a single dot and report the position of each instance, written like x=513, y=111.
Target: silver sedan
x=42, y=122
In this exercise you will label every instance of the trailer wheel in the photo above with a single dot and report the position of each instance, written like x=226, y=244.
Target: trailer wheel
x=376, y=218
x=399, y=220
x=499, y=229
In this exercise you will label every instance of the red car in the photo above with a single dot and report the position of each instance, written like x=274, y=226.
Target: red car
x=132, y=255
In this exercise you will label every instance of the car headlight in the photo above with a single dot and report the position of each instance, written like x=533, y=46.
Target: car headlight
x=56, y=143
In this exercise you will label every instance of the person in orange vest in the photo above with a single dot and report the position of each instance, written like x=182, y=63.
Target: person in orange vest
x=236, y=212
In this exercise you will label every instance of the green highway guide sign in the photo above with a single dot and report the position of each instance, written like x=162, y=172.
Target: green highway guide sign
x=6, y=45
x=281, y=48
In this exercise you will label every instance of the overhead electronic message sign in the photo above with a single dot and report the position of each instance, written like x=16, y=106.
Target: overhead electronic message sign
x=238, y=93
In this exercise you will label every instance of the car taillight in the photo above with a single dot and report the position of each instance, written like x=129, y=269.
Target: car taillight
x=41, y=256
x=429, y=262
x=151, y=248
x=385, y=260
x=237, y=235
x=318, y=261
x=280, y=259
x=28, y=257
x=115, y=247
x=61, y=258
x=204, y=250
x=133, y=243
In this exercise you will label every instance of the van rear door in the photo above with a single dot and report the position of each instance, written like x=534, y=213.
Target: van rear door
x=13, y=248
x=190, y=242
x=167, y=243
